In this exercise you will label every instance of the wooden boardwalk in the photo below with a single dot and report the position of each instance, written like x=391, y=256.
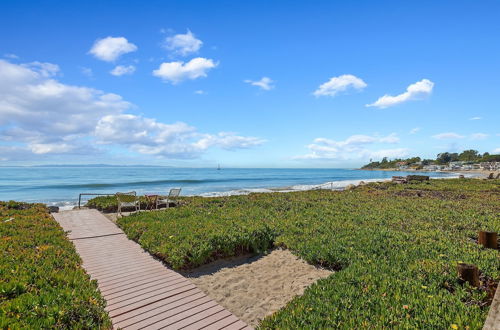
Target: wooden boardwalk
x=141, y=293
x=493, y=320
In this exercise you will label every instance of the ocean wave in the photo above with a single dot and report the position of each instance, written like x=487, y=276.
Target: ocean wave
x=330, y=185
x=150, y=183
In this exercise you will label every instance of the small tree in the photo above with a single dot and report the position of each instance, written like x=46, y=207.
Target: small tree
x=443, y=158
x=469, y=155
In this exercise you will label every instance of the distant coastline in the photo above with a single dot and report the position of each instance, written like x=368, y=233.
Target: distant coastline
x=477, y=172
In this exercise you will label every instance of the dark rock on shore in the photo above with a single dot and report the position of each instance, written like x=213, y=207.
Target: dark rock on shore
x=53, y=209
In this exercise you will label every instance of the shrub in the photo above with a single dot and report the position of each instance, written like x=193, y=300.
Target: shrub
x=42, y=283
x=110, y=204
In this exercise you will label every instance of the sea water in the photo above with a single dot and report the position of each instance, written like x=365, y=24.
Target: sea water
x=61, y=185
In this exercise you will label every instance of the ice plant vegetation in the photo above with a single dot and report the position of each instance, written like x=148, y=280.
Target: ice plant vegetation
x=395, y=248
x=42, y=283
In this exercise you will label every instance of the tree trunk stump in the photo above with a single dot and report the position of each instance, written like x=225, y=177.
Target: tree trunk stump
x=488, y=239
x=469, y=273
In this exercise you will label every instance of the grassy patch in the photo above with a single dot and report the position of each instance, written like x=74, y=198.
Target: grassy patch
x=42, y=284
x=396, y=246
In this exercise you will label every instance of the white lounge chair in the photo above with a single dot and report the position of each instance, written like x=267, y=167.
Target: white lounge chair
x=127, y=199
x=171, y=198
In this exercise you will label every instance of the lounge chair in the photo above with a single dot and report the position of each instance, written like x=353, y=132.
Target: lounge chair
x=127, y=199
x=171, y=198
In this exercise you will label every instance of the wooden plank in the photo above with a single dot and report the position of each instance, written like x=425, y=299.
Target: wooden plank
x=97, y=265
x=493, y=320
x=138, y=277
x=117, y=310
x=133, y=268
x=140, y=291
x=161, y=322
x=238, y=325
x=123, y=266
x=209, y=324
x=164, y=312
x=139, y=285
x=133, y=262
x=147, y=286
x=154, y=290
x=213, y=315
x=142, y=313
x=149, y=297
x=136, y=273
x=131, y=283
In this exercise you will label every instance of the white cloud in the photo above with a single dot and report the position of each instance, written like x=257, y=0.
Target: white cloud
x=200, y=92
x=51, y=148
x=391, y=138
x=265, y=83
x=228, y=141
x=37, y=110
x=496, y=151
x=339, y=84
x=8, y=153
x=476, y=118
x=478, y=136
x=389, y=153
x=416, y=91
x=415, y=130
x=178, y=140
x=354, y=147
x=449, y=135
x=121, y=70
x=183, y=44
x=42, y=116
x=44, y=69
x=11, y=56
x=110, y=48
x=87, y=71
x=176, y=72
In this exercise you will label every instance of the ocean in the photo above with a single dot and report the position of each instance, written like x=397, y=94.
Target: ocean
x=61, y=186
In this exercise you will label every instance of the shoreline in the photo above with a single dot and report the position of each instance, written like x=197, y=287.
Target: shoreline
x=470, y=173
x=330, y=185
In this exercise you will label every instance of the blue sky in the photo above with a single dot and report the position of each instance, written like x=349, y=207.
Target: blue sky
x=254, y=84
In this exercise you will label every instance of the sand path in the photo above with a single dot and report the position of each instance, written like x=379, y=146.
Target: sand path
x=254, y=287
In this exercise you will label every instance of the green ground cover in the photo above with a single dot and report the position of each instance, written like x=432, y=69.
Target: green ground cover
x=395, y=247
x=109, y=204
x=42, y=284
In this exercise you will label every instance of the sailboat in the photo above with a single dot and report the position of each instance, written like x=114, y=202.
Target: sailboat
x=218, y=167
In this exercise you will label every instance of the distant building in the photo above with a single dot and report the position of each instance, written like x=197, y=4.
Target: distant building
x=433, y=167
x=490, y=166
x=453, y=166
x=402, y=165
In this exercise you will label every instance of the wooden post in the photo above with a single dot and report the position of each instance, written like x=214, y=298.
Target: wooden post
x=469, y=273
x=488, y=239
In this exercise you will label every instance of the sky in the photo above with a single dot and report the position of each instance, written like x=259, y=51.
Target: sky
x=246, y=84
